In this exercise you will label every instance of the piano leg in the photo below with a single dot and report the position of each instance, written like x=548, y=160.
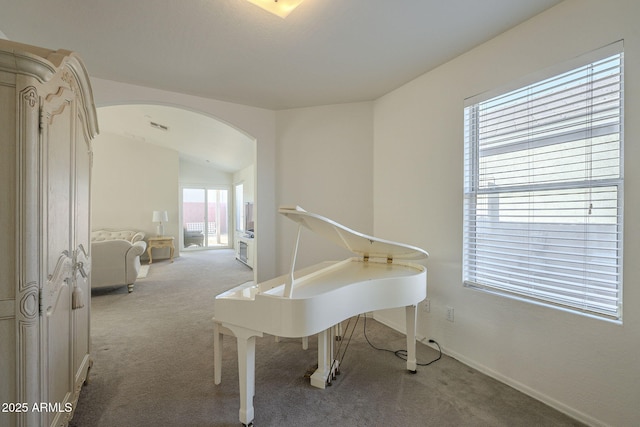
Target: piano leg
x=217, y=353
x=327, y=366
x=218, y=332
x=246, y=341
x=246, y=376
x=411, y=338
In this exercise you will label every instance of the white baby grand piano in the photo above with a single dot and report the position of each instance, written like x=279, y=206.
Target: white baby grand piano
x=315, y=299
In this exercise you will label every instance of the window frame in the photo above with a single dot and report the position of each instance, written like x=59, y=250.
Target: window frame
x=472, y=186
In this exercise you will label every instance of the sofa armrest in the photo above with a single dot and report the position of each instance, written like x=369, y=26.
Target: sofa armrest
x=139, y=236
x=137, y=248
x=132, y=261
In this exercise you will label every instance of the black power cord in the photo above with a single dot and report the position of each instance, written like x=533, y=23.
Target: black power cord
x=402, y=354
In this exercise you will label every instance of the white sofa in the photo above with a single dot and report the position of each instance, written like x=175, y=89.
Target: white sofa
x=115, y=257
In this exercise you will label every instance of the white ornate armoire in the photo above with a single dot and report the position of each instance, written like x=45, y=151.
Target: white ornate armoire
x=47, y=122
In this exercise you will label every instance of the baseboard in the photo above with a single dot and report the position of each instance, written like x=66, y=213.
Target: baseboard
x=567, y=410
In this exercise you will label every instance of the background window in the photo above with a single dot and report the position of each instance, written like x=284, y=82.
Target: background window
x=239, y=203
x=543, y=190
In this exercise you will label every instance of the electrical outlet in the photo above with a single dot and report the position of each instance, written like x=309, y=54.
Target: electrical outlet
x=450, y=314
x=426, y=305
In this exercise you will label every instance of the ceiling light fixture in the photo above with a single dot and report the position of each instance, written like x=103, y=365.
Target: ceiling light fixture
x=282, y=8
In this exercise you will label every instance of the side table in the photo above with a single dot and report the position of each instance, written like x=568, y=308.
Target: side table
x=160, y=242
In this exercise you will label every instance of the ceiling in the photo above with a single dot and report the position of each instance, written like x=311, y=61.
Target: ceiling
x=324, y=52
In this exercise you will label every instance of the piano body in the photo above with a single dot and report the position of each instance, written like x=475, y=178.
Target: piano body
x=315, y=299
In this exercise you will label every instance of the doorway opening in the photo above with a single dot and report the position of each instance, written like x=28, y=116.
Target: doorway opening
x=205, y=217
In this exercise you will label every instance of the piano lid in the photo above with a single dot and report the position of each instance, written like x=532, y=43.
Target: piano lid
x=354, y=241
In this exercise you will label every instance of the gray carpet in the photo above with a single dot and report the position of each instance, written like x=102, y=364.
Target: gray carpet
x=153, y=366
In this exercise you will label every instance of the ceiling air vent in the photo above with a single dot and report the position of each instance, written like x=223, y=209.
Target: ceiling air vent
x=159, y=126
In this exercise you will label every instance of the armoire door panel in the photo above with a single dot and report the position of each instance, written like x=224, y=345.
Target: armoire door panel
x=7, y=176
x=58, y=140
x=57, y=135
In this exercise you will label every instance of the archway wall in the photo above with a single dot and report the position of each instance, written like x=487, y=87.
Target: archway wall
x=256, y=122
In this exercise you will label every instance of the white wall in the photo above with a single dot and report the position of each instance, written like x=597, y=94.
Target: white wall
x=246, y=177
x=256, y=122
x=324, y=162
x=126, y=191
x=585, y=367
x=192, y=173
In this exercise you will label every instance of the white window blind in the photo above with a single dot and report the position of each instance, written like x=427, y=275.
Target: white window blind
x=543, y=190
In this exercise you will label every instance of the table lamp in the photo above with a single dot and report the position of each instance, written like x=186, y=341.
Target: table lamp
x=159, y=217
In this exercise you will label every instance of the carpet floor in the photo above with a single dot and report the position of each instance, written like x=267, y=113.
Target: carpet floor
x=153, y=366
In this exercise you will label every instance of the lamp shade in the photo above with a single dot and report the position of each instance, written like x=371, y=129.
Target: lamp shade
x=160, y=216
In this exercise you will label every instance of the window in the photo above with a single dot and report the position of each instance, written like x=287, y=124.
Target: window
x=239, y=203
x=543, y=189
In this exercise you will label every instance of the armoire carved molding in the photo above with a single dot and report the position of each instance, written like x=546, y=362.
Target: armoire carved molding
x=47, y=122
